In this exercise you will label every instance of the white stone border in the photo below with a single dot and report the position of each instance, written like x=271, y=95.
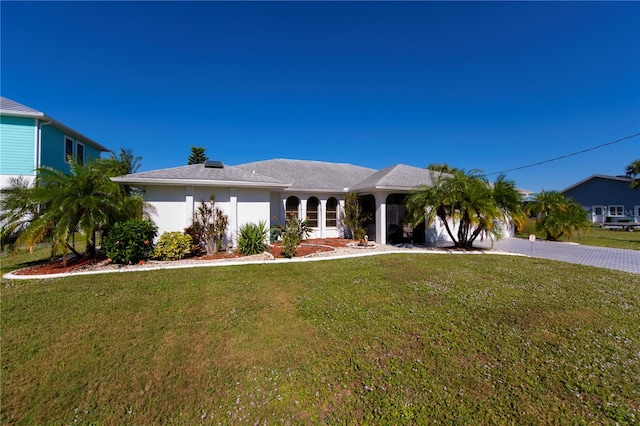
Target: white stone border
x=214, y=263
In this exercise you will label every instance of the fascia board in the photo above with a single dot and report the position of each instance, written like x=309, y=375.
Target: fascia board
x=385, y=188
x=21, y=114
x=316, y=190
x=197, y=182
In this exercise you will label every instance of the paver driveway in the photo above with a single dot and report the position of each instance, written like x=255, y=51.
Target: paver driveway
x=610, y=258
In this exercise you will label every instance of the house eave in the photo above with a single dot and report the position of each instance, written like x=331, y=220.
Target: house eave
x=317, y=190
x=385, y=188
x=23, y=114
x=197, y=182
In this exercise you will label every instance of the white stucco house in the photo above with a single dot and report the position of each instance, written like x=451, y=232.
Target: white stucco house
x=269, y=190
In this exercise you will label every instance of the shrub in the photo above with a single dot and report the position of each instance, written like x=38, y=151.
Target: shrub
x=130, y=241
x=295, y=231
x=172, y=246
x=354, y=217
x=208, y=227
x=252, y=238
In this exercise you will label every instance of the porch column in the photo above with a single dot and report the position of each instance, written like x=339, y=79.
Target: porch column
x=322, y=217
x=233, y=216
x=302, y=209
x=188, y=206
x=381, y=218
x=339, y=222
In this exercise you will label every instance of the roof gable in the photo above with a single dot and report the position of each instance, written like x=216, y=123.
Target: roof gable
x=310, y=175
x=400, y=176
x=592, y=177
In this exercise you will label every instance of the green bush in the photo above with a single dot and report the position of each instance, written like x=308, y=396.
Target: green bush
x=252, y=238
x=130, y=241
x=173, y=246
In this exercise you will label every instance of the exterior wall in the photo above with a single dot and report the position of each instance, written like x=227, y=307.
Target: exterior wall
x=19, y=154
x=252, y=207
x=53, y=145
x=175, y=206
x=170, y=207
x=17, y=146
x=605, y=192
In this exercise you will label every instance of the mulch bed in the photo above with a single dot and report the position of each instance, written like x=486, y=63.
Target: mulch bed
x=311, y=246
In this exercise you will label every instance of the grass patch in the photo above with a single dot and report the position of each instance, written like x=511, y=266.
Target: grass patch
x=394, y=339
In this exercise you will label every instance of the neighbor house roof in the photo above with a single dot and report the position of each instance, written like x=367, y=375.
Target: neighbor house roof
x=605, y=177
x=314, y=176
x=398, y=177
x=12, y=108
x=199, y=175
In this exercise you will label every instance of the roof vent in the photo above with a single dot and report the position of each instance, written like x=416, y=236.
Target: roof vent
x=213, y=164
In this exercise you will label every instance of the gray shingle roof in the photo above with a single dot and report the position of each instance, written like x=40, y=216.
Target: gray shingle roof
x=310, y=175
x=13, y=107
x=198, y=174
x=291, y=175
x=400, y=176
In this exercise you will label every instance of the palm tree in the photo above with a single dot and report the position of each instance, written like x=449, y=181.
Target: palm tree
x=633, y=171
x=556, y=215
x=441, y=167
x=17, y=209
x=468, y=200
x=85, y=200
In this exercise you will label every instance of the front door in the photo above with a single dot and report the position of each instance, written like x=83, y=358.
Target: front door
x=597, y=214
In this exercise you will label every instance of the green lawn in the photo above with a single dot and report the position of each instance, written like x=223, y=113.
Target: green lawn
x=394, y=339
x=604, y=238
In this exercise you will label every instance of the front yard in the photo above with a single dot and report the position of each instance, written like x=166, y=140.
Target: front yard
x=394, y=339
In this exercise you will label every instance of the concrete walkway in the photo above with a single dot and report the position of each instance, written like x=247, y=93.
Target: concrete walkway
x=610, y=258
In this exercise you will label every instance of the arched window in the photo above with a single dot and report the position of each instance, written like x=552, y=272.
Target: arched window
x=292, y=206
x=332, y=212
x=312, y=211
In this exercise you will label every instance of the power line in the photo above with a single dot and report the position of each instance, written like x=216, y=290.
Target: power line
x=564, y=156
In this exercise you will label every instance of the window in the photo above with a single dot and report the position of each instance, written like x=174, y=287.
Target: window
x=616, y=210
x=598, y=211
x=292, y=206
x=68, y=149
x=80, y=153
x=312, y=211
x=332, y=212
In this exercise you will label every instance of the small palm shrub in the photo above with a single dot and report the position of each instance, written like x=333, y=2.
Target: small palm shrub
x=130, y=241
x=172, y=246
x=252, y=238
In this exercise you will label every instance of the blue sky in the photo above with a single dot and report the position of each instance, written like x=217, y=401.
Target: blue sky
x=486, y=85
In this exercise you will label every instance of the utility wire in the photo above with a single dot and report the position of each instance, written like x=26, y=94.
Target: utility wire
x=564, y=156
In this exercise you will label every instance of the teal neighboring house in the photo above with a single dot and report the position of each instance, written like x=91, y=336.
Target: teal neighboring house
x=30, y=139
